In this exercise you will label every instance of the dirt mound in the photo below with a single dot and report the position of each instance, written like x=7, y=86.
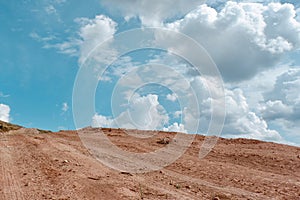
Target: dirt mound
x=59, y=166
x=4, y=126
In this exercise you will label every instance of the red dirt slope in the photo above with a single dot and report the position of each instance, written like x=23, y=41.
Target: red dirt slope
x=40, y=165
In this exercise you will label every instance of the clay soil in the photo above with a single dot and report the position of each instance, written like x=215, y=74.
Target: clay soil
x=43, y=165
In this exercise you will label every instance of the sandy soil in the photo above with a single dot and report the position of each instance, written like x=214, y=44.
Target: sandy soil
x=40, y=165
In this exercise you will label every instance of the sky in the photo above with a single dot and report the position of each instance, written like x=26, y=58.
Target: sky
x=176, y=65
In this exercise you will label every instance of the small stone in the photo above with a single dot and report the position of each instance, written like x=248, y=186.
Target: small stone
x=188, y=187
x=126, y=173
x=65, y=161
x=94, y=178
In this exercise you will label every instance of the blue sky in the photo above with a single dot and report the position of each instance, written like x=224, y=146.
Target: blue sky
x=254, y=44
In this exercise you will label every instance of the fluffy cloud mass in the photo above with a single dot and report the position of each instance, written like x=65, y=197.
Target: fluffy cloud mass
x=152, y=13
x=243, y=38
x=93, y=32
x=144, y=112
x=282, y=107
x=242, y=122
x=4, y=112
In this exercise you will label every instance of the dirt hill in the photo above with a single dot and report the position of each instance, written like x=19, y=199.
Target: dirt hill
x=4, y=126
x=42, y=165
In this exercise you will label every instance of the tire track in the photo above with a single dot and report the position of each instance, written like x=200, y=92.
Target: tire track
x=10, y=185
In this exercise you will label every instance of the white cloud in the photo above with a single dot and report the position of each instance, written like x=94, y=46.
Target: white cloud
x=276, y=109
x=65, y=107
x=273, y=95
x=154, y=12
x=286, y=89
x=93, y=32
x=172, y=97
x=120, y=67
x=143, y=112
x=282, y=104
x=39, y=38
x=69, y=47
x=147, y=113
x=242, y=122
x=102, y=121
x=175, y=127
x=255, y=88
x=289, y=129
x=4, y=112
x=243, y=38
x=220, y=3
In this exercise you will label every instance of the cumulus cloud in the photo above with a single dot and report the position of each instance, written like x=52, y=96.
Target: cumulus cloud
x=286, y=88
x=282, y=107
x=102, y=121
x=143, y=112
x=151, y=13
x=266, y=96
x=243, y=38
x=93, y=32
x=4, y=112
x=175, y=127
x=172, y=97
x=276, y=109
x=242, y=122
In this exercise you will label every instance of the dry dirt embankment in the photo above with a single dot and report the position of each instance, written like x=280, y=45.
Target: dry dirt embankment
x=44, y=165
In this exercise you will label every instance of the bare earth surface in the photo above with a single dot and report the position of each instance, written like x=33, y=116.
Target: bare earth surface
x=41, y=165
